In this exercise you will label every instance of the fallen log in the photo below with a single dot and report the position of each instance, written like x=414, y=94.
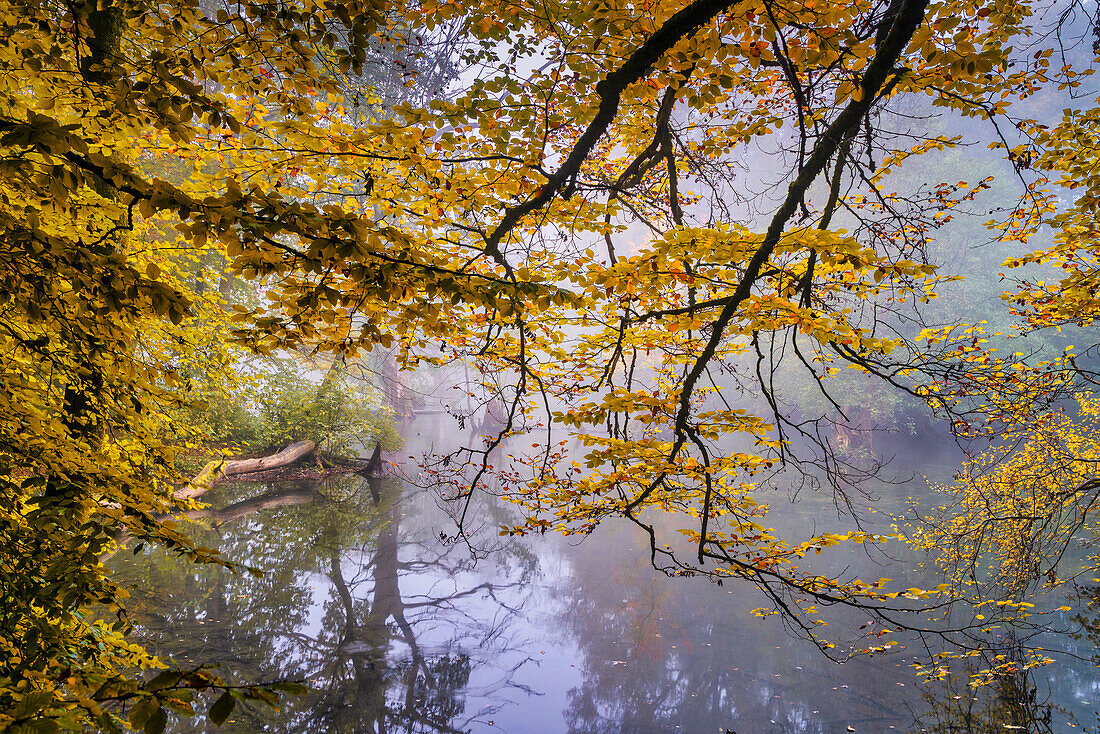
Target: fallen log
x=215, y=470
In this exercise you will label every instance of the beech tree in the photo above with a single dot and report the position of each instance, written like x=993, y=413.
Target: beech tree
x=584, y=214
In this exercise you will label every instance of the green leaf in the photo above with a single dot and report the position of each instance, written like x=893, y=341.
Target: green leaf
x=40, y=726
x=221, y=709
x=142, y=712
x=164, y=679
x=157, y=721
x=32, y=703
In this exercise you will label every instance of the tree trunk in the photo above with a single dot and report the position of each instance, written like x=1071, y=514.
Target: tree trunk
x=215, y=470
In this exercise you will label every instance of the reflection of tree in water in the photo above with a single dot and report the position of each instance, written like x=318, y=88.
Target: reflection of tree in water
x=664, y=656
x=1087, y=638
x=1011, y=702
x=1087, y=618
x=360, y=645
x=1036, y=701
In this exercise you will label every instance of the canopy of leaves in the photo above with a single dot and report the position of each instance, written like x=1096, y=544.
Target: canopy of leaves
x=585, y=215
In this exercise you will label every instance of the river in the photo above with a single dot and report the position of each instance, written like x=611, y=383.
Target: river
x=397, y=629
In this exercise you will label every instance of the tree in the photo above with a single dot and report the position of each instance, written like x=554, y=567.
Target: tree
x=723, y=297
x=501, y=223
x=95, y=370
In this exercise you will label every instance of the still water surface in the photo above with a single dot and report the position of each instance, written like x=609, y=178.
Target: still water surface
x=399, y=631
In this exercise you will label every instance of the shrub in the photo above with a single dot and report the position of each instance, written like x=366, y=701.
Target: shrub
x=282, y=402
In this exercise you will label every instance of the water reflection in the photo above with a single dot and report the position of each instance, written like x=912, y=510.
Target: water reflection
x=1012, y=702
x=330, y=610
x=657, y=659
x=397, y=631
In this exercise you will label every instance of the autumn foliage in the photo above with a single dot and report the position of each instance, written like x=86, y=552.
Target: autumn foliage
x=624, y=214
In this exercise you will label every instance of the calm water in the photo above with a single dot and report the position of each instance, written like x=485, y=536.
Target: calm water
x=398, y=631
